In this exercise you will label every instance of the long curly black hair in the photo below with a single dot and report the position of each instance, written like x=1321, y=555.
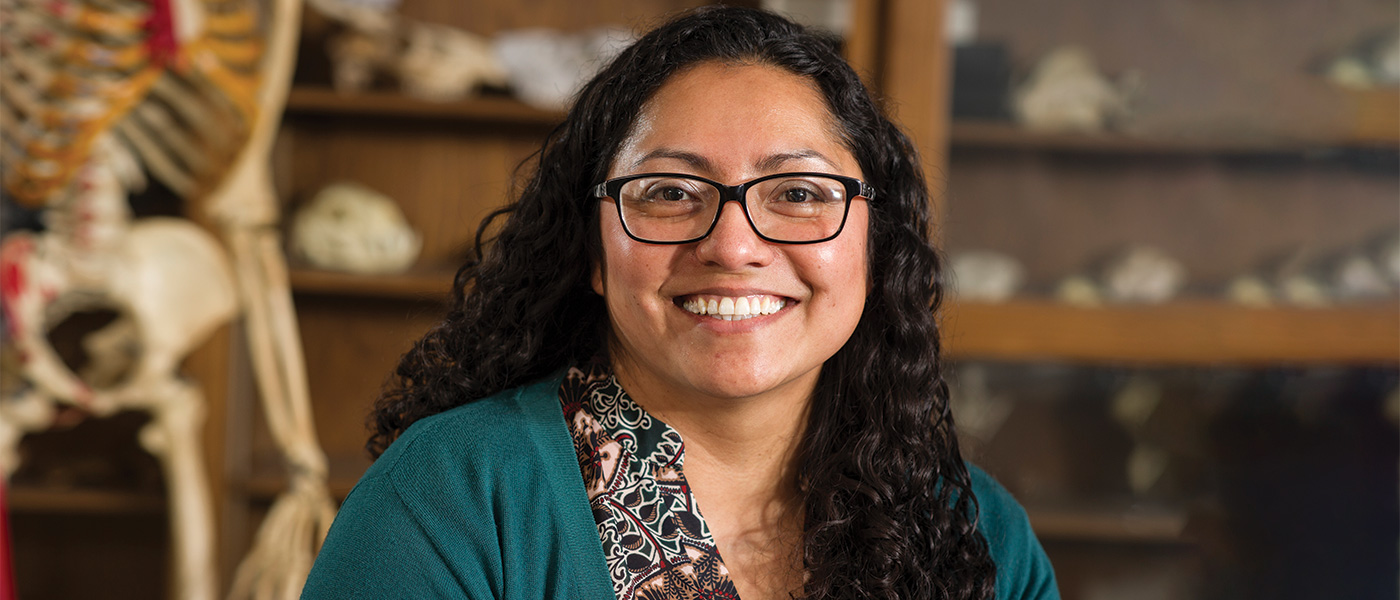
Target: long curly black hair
x=888, y=506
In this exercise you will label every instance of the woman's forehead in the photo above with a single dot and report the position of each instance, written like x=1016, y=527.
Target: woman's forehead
x=716, y=116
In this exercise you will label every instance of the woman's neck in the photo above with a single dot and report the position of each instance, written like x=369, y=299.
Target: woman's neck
x=753, y=440
x=741, y=464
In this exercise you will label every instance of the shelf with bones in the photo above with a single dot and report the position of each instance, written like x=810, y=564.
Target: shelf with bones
x=1309, y=306
x=1136, y=319
x=98, y=96
x=1132, y=309
x=346, y=234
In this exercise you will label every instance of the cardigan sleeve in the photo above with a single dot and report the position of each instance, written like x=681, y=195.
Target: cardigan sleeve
x=1023, y=569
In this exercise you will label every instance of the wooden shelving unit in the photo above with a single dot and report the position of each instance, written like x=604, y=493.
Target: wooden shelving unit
x=485, y=108
x=1188, y=332
x=417, y=284
x=1132, y=524
x=38, y=500
x=1191, y=332
x=997, y=135
x=449, y=163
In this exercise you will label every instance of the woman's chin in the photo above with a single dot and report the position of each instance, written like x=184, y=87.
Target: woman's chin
x=754, y=384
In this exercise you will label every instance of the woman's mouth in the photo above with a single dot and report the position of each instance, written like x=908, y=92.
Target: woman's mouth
x=732, y=308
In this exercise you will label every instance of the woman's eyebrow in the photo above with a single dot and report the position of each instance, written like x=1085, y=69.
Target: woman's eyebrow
x=775, y=161
x=769, y=163
x=695, y=161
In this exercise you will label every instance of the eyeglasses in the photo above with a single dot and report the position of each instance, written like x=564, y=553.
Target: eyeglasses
x=785, y=208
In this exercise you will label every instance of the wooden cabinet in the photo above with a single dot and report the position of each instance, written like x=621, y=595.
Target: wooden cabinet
x=1240, y=152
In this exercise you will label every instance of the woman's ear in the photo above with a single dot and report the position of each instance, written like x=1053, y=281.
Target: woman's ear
x=597, y=278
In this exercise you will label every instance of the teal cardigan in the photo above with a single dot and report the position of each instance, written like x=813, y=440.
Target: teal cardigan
x=486, y=501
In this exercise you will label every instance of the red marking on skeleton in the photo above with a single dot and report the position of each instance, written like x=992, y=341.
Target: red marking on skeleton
x=161, y=40
x=14, y=254
x=61, y=9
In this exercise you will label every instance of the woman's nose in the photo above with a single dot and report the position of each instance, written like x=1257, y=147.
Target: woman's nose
x=733, y=244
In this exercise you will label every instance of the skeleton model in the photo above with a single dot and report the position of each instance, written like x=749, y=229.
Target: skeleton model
x=190, y=90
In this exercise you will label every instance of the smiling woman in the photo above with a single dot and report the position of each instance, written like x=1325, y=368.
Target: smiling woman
x=698, y=361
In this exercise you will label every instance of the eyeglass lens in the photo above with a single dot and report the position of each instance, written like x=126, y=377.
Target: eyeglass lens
x=801, y=208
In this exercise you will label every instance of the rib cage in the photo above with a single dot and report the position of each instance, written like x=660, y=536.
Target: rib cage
x=71, y=70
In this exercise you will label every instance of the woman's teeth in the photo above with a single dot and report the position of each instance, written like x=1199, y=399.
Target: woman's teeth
x=734, y=309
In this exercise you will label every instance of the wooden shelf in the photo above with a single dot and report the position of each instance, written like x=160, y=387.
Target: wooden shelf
x=1376, y=115
x=481, y=109
x=417, y=284
x=1009, y=136
x=1196, y=332
x=79, y=501
x=308, y=100
x=1130, y=524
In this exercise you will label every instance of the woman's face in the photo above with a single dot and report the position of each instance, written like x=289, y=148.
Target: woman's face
x=731, y=124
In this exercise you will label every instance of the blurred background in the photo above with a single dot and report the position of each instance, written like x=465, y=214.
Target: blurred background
x=1172, y=231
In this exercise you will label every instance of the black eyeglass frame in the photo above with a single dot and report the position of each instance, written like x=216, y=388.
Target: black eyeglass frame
x=734, y=193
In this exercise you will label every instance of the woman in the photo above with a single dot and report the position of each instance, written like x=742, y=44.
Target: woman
x=633, y=347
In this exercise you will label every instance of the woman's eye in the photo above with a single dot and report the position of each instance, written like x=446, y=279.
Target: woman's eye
x=672, y=194
x=798, y=195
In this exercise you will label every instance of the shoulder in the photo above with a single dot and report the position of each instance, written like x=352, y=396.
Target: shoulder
x=464, y=501
x=483, y=453
x=1023, y=570
x=501, y=425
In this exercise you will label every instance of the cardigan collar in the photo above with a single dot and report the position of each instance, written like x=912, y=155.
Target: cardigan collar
x=654, y=538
